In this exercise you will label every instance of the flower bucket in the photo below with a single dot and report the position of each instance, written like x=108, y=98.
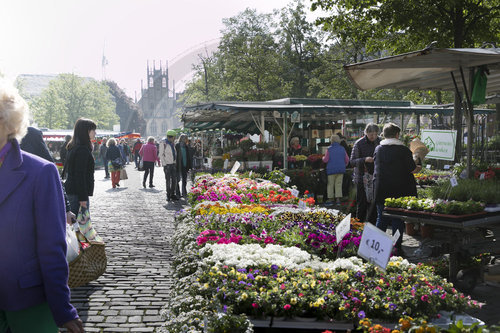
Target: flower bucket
x=251, y=165
x=410, y=229
x=426, y=231
x=268, y=165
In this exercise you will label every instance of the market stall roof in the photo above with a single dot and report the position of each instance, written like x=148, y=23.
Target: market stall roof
x=429, y=68
x=241, y=116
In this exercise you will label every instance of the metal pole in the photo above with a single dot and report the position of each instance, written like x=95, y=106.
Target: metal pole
x=285, y=141
x=470, y=123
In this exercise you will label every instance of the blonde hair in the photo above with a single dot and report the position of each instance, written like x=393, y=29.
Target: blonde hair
x=151, y=139
x=111, y=142
x=13, y=111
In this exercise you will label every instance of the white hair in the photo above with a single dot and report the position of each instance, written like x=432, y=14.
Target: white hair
x=13, y=111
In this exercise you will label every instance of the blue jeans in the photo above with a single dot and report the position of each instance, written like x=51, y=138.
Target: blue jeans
x=396, y=223
x=74, y=203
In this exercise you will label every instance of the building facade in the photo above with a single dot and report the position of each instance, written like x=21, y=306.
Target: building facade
x=158, y=102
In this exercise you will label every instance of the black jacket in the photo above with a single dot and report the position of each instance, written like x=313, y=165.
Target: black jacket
x=80, y=172
x=33, y=143
x=362, y=149
x=112, y=153
x=393, y=176
x=178, y=158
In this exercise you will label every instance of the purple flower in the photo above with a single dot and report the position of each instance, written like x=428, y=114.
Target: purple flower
x=250, y=276
x=361, y=314
x=274, y=267
x=392, y=306
x=224, y=309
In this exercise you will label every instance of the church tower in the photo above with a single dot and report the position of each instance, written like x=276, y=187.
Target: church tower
x=157, y=102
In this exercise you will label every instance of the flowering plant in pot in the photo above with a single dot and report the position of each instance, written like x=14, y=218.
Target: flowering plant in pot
x=246, y=144
x=252, y=155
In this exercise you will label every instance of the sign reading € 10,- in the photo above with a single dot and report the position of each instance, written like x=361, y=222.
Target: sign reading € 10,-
x=441, y=144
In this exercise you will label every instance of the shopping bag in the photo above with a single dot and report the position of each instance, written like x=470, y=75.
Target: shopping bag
x=88, y=266
x=368, y=183
x=87, y=231
x=117, y=163
x=141, y=165
x=72, y=244
x=123, y=174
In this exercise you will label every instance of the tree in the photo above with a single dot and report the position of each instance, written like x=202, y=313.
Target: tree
x=69, y=97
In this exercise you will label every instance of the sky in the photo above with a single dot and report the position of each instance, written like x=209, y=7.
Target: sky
x=70, y=36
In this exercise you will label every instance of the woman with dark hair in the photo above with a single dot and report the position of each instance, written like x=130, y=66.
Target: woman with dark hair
x=79, y=166
x=112, y=154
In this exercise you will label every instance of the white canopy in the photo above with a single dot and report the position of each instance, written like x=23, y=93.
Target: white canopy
x=426, y=69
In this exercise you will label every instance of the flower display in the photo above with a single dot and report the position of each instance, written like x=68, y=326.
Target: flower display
x=437, y=206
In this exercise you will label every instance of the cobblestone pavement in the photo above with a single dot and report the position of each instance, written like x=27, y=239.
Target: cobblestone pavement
x=136, y=224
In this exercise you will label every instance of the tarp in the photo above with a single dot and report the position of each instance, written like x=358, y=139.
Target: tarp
x=427, y=69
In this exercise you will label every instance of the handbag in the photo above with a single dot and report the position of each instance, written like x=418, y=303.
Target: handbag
x=91, y=262
x=123, y=174
x=88, y=266
x=117, y=163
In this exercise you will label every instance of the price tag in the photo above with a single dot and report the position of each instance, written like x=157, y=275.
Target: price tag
x=235, y=168
x=395, y=237
x=343, y=228
x=302, y=204
x=482, y=176
x=453, y=181
x=375, y=246
x=428, y=166
x=226, y=164
x=287, y=179
x=447, y=167
x=250, y=173
x=295, y=193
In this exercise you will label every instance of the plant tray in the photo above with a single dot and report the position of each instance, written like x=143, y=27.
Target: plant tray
x=431, y=214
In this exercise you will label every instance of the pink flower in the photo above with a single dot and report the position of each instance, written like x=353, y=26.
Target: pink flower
x=424, y=298
x=287, y=306
x=255, y=305
x=201, y=240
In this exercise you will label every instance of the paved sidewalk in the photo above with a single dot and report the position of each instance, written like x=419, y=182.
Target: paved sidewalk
x=136, y=224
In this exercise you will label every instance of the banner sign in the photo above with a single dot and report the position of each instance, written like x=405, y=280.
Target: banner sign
x=441, y=143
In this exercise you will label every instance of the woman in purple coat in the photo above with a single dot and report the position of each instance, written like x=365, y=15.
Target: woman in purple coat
x=34, y=293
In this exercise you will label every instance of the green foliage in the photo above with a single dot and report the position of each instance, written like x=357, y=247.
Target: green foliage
x=467, y=189
x=70, y=97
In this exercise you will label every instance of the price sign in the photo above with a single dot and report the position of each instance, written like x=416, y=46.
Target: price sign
x=295, y=193
x=287, y=179
x=453, y=181
x=235, y=168
x=428, y=166
x=482, y=176
x=395, y=237
x=250, y=174
x=375, y=246
x=447, y=167
x=302, y=204
x=226, y=164
x=343, y=228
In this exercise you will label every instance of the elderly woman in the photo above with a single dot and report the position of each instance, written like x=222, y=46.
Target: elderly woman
x=34, y=294
x=149, y=154
x=336, y=160
x=362, y=160
x=112, y=154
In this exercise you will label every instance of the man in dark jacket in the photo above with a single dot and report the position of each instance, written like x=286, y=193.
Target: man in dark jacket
x=64, y=151
x=184, y=162
x=102, y=153
x=393, y=177
x=362, y=160
x=33, y=143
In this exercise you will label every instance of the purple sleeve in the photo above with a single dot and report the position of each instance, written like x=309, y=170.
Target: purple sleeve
x=346, y=158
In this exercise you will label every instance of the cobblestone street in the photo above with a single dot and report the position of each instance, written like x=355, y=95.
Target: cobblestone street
x=136, y=224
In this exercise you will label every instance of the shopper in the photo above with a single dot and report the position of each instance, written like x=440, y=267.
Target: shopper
x=336, y=160
x=167, y=157
x=33, y=281
x=63, y=151
x=362, y=160
x=184, y=163
x=102, y=154
x=393, y=177
x=115, y=164
x=149, y=155
x=135, y=150
x=79, y=166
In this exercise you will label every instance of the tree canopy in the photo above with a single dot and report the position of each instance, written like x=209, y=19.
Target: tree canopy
x=69, y=97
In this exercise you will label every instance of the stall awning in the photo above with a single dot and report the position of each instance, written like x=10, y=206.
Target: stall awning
x=426, y=69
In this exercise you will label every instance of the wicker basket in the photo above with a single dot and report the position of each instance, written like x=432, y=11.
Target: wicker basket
x=88, y=266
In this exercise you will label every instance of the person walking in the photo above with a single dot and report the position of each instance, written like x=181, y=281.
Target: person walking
x=168, y=160
x=34, y=272
x=80, y=165
x=149, y=156
x=362, y=160
x=393, y=177
x=126, y=151
x=135, y=150
x=336, y=160
x=102, y=154
x=63, y=152
x=113, y=156
x=33, y=142
x=184, y=162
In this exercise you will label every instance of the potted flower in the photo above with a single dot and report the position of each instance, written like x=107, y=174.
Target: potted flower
x=252, y=157
x=246, y=144
x=267, y=158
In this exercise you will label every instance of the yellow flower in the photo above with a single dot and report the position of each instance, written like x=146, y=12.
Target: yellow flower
x=293, y=301
x=205, y=286
x=341, y=308
x=381, y=281
x=244, y=296
x=313, y=284
x=305, y=286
